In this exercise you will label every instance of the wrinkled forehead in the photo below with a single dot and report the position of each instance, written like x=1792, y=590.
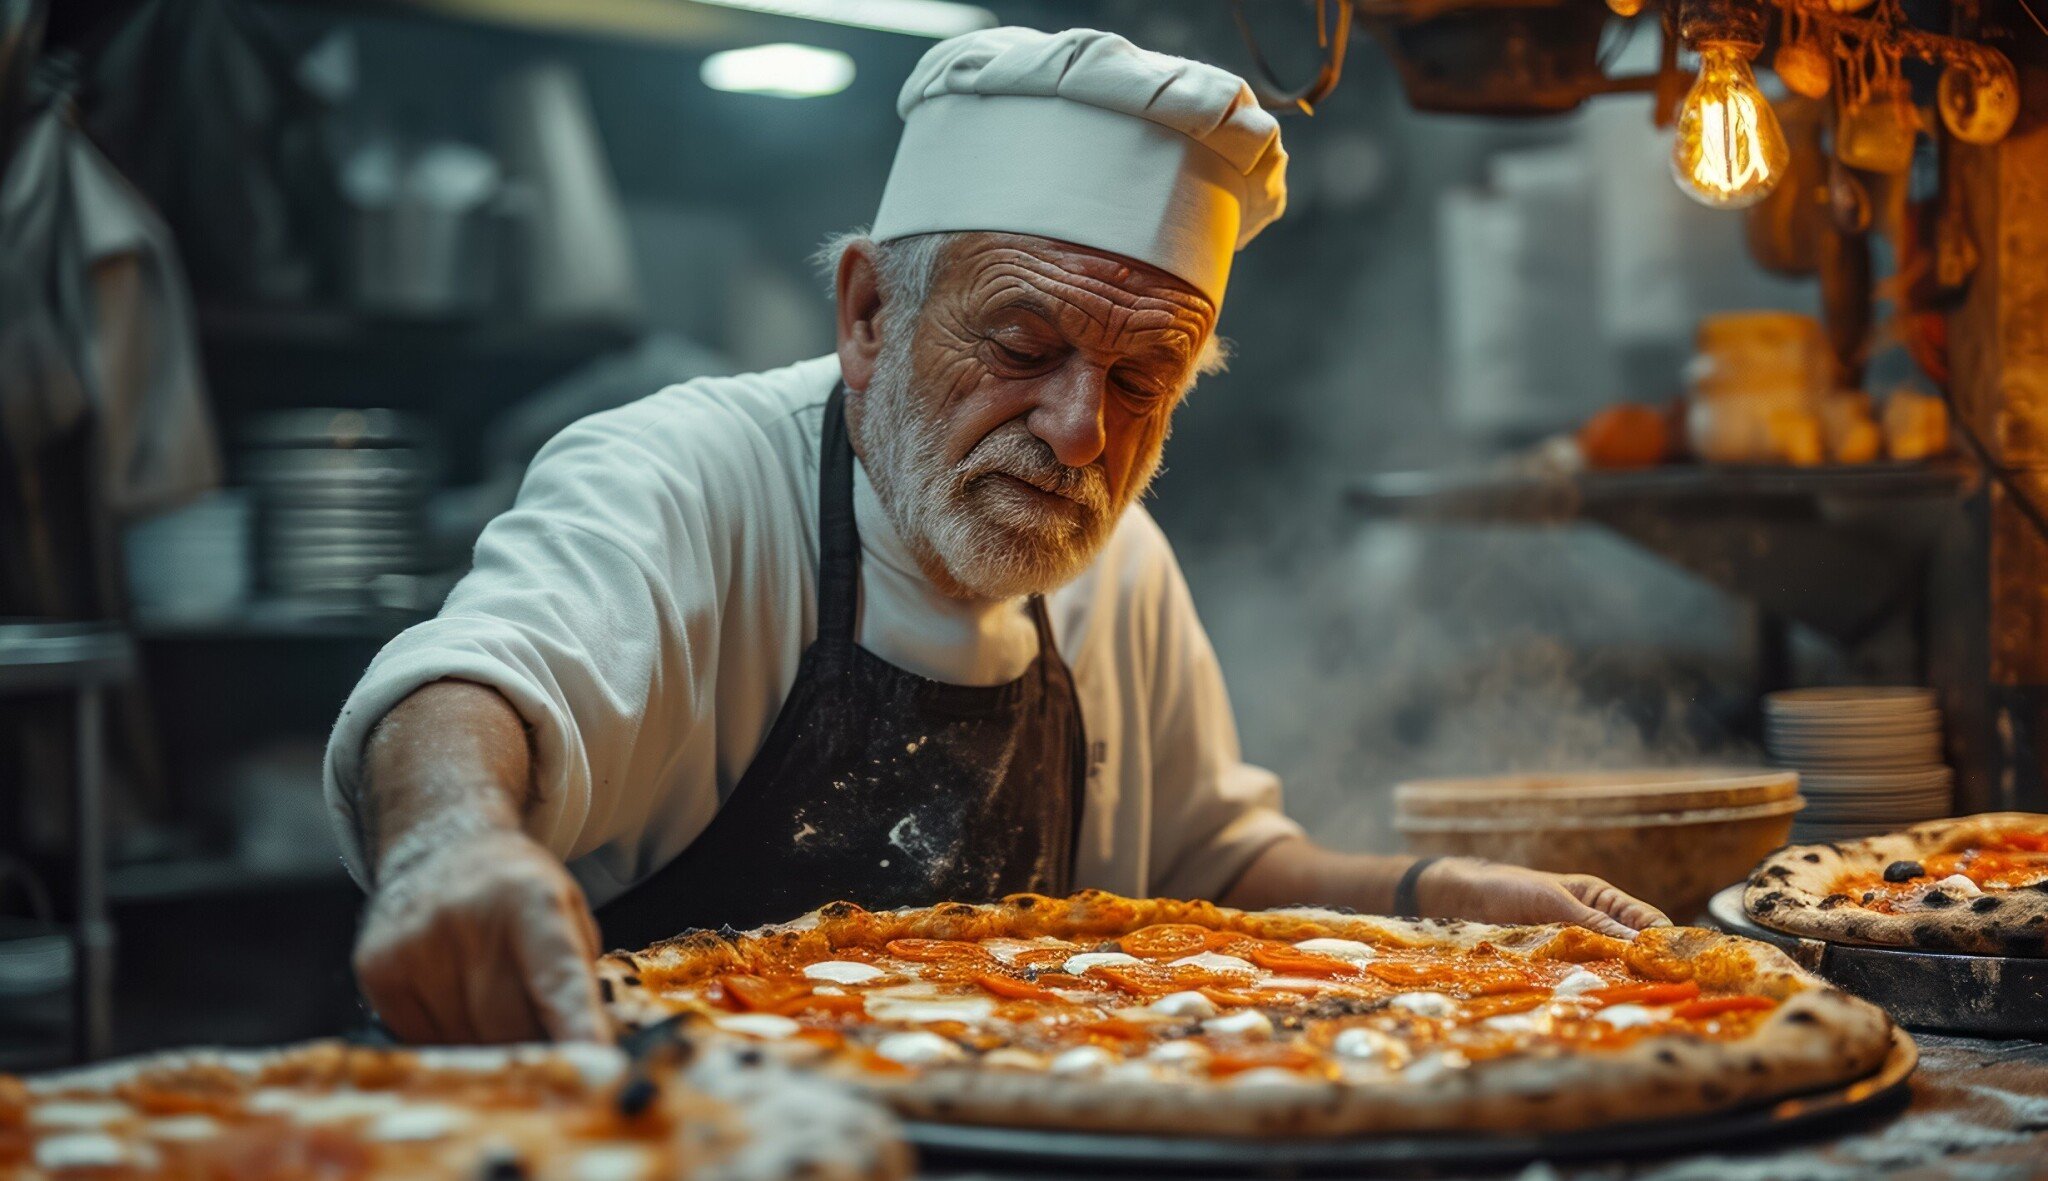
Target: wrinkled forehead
x=1081, y=289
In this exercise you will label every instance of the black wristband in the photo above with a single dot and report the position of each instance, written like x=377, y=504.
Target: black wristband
x=1405, y=905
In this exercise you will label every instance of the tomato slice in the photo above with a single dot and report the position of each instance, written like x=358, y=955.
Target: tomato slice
x=1232, y=998
x=1166, y=941
x=1010, y=988
x=1493, y=981
x=1647, y=994
x=1715, y=1006
x=1507, y=1002
x=1397, y=972
x=937, y=951
x=1289, y=962
x=1136, y=979
x=823, y=1003
x=1123, y=1031
x=758, y=995
x=1287, y=1057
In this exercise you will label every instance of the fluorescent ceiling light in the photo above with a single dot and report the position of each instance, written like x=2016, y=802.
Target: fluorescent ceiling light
x=919, y=18
x=784, y=70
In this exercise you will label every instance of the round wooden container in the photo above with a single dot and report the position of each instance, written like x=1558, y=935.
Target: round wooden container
x=1670, y=837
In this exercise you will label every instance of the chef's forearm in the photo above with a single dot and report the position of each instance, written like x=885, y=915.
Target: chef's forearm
x=1296, y=870
x=453, y=757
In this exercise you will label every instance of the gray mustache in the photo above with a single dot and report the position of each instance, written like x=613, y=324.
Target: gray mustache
x=1014, y=451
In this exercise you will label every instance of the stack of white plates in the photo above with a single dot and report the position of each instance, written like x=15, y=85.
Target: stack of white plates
x=1869, y=759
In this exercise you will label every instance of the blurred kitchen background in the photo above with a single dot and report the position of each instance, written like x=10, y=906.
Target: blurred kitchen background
x=401, y=243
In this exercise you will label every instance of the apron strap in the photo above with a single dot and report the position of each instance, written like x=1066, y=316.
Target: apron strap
x=838, y=537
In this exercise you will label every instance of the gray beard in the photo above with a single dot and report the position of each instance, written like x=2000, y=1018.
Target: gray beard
x=972, y=533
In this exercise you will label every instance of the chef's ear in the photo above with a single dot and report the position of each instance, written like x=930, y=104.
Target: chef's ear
x=859, y=291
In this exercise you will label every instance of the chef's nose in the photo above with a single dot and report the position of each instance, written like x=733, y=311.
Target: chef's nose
x=1068, y=416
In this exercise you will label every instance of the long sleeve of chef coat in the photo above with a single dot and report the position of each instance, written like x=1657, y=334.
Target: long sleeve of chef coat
x=645, y=603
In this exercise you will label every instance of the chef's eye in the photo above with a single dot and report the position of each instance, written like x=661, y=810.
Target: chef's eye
x=1022, y=358
x=1137, y=387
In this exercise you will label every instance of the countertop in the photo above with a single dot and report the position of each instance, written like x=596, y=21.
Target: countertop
x=1979, y=1112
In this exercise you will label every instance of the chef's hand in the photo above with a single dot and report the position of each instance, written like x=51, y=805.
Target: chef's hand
x=1468, y=888
x=483, y=937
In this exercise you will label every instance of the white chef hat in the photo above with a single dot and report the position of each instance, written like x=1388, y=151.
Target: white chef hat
x=1083, y=137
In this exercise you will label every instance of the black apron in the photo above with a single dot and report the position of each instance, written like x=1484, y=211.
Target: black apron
x=877, y=785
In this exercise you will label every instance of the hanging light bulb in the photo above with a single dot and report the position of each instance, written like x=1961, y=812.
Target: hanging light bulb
x=1730, y=151
x=1624, y=8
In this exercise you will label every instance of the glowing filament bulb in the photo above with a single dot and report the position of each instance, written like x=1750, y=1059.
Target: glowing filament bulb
x=1730, y=150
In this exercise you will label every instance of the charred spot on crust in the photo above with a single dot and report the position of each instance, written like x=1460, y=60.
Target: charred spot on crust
x=1782, y=873
x=749, y=1057
x=636, y=1096
x=1929, y=935
x=2040, y=887
x=1810, y=858
x=1903, y=871
x=1025, y=902
x=840, y=910
x=1802, y=1017
x=1326, y=1007
x=634, y=981
x=604, y=988
x=956, y=909
x=1667, y=1057
x=1869, y=896
x=1939, y=899
x=1835, y=900
x=1768, y=902
x=1714, y=1092
x=1985, y=905
x=1758, y=1066
x=502, y=1167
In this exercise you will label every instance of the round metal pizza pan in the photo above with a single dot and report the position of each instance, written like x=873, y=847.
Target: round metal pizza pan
x=1024, y=1148
x=1934, y=990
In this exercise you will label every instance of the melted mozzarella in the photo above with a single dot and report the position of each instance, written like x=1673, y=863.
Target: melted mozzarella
x=1180, y=1050
x=79, y=1150
x=1248, y=1023
x=1184, y=1004
x=1007, y=950
x=418, y=1121
x=1515, y=1023
x=1012, y=1058
x=842, y=972
x=1579, y=983
x=1338, y=949
x=768, y=1025
x=1625, y=1016
x=182, y=1127
x=597, y=1065
x=917, y=1011
x=1267, y=1076
x=1960, y=884
x=1293, y=984
x=79, y=1113
x=1434, y=1066
x=1078, y=965
x=1081, y=1060
x=918, y=1048
x=1424, y=1004
x=1212, y=961
x=611, y=1162
x=333, y=1108
x=1362, y=1042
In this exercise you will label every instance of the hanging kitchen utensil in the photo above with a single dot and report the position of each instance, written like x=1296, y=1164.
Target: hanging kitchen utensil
x=1784, y=229
x=1979, y=99
x=1848, y=199
x=1878, y=120
x=1803, y=61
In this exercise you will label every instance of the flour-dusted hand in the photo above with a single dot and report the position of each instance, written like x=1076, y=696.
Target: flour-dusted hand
x=480, y=937
x=1468, y=888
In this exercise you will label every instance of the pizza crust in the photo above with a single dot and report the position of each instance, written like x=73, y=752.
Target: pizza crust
x=1792, y=891
x=746, y=1119
x=1818, y=1036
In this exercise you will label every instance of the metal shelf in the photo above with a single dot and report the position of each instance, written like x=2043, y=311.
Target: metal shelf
x=1837, y=548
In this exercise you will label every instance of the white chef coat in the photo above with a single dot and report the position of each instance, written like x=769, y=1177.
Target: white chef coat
x=644, y=604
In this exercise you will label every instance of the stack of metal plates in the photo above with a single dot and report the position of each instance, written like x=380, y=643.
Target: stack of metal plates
x=340, y=498
x=1869, y=758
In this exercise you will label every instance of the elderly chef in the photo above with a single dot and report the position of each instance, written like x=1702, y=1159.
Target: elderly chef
x=887, y=625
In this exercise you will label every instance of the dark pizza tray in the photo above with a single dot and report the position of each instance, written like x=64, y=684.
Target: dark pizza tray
x=1980, y=994
x=1060, y=1153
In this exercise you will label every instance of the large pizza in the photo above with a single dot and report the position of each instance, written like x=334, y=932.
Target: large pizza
x=1116, y=1014
x=325, y=1111
x=1976, y=884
